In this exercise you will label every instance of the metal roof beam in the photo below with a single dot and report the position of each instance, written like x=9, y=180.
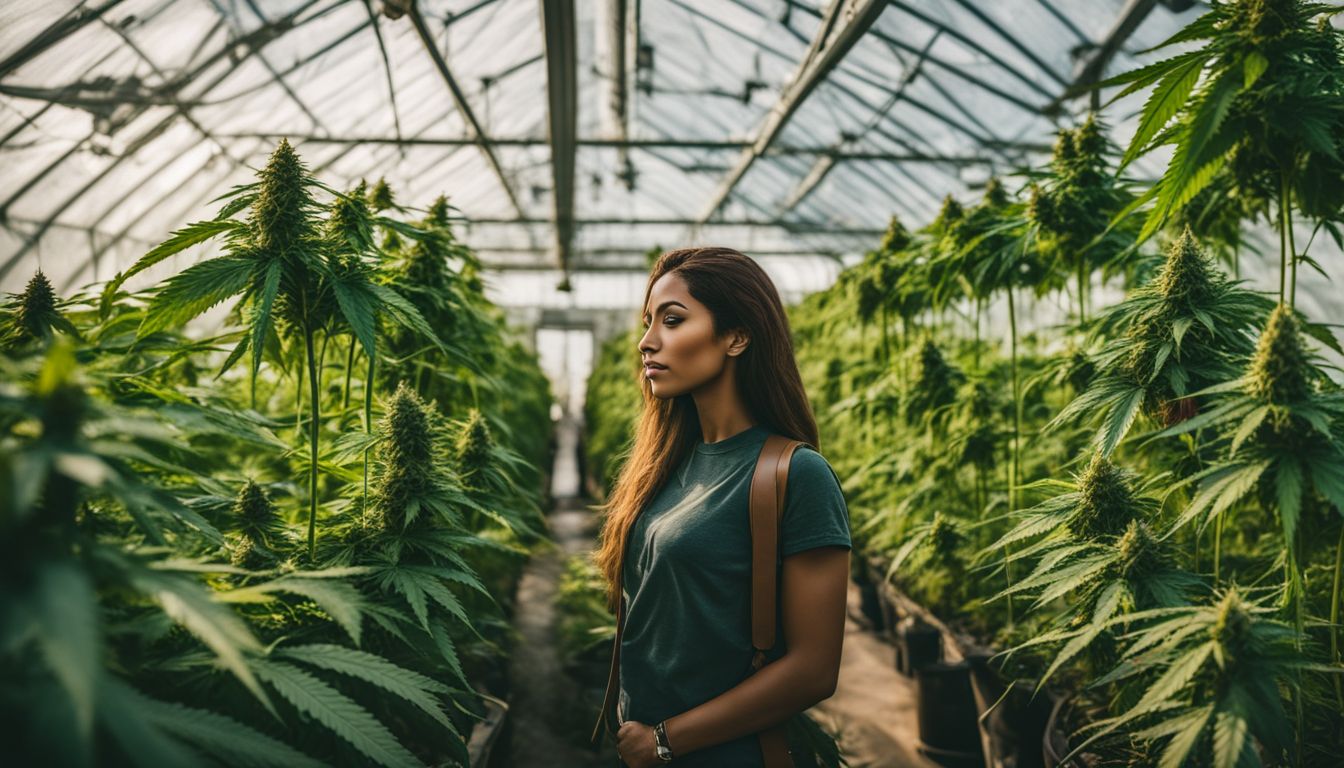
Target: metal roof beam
x=845, y=23
x=623, y=41
x=68, y=25
x=1011, y=39
x=822, y=168
x=562, y=95
x=459, y=99
x=814, y=228
x=1091, y=67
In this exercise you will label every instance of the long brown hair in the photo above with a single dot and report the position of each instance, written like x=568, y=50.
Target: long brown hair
x=739, y=295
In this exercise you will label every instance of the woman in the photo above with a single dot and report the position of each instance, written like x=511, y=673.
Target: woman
x=721, y=377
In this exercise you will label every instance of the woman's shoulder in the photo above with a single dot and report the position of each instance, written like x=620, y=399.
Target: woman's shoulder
x=808, y=463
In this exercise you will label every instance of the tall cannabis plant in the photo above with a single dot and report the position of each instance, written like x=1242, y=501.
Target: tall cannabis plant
x=1262, y=99
x=1216, y=673
x=1071, y=209
x=1187, y=329
x=287, y=265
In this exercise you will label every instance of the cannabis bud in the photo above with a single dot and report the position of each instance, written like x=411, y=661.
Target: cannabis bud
x=897, y=237
x=36, y=307
x=380, y=197
x=1186, y=276
x=406, y=456
x=474, y=444
x=936, y=383
x=1231, y=629
x=944, y=537
x=949, y=214
x=1279, y=369
x=1140, y=551
x=1106, y=503
x=995, y=195
x=258, y=524
x=348, y=224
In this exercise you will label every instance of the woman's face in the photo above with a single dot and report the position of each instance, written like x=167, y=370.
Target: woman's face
x=679, y=335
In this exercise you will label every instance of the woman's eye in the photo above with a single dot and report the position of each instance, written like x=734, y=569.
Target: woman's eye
x=671, y=317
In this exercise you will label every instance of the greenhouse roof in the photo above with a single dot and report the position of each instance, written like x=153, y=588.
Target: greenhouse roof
x=573, y=137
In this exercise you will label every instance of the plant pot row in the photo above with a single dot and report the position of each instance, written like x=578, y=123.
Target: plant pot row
x=968, y=715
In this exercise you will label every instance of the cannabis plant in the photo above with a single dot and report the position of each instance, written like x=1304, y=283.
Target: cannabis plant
x=1278, y=425
x=1216, y=672
x=1262, y=99
x=930, y=564
x=934, y=388
x=1071, y=210
x=67, y=461
x=1093, y=548
x=289, y=267
x=33, y=315
x=1187, y=329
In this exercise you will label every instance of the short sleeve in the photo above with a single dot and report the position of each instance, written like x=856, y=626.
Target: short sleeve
x=815, y=513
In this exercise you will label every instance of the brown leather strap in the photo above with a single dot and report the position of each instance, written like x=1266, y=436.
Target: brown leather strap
x=765, y=502
x=608, y=698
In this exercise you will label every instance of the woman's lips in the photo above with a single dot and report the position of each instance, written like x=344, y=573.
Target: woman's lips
x=650, y=370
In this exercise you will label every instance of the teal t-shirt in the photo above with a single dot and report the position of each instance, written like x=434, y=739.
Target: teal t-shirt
x=687, y=581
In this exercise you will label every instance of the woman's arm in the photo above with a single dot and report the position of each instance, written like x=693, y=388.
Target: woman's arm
x=814, y=584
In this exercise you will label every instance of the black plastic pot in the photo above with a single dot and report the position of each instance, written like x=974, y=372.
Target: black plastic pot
x=917, y=645
x=1055, y=740
x=948, y=731
x=872, y=607
x=1014, y=720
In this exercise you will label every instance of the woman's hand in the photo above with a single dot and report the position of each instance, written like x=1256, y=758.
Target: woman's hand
x=635, y=745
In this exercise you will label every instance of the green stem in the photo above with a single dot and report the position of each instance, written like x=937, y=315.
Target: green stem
x=1082, y=291
x=368, y=423
x=1218, y=546
x=1283, y=234
x=1017, y=426
x=978, y=304
x=312, y=443
x=1334, y=616
x=886, y=350
x=1292, y=246
x=349, y=368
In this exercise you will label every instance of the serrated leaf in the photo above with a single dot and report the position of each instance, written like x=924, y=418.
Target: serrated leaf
x=411, y=686
x=346, y=718
x=217, y=734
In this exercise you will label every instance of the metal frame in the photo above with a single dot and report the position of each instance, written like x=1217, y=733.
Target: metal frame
x=846, y=21
x=460, y=100
x=562, y=91
x=836, y=36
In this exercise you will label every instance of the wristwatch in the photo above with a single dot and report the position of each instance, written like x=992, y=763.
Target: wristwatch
x=661, y=748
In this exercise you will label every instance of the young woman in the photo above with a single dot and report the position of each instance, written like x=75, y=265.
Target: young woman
x=718, y=377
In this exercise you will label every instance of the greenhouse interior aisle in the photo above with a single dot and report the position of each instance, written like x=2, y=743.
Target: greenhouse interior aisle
x=333, y=332
x=540, y=733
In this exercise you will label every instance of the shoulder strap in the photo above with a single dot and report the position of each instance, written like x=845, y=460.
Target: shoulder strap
x=765, y=502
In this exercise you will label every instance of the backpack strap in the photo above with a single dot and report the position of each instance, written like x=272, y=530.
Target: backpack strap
x=765, y=502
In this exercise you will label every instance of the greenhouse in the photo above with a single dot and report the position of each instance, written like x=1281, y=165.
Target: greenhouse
x=433, y=382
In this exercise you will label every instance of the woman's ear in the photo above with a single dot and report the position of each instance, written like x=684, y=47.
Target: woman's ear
x=738, y=344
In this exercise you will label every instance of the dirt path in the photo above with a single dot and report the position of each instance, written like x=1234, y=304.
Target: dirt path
x=539, y=684
x=874, y=707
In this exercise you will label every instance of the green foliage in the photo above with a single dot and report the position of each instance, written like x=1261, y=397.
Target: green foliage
x=1186, y=329
x=1221, y=107
x=154, y=610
